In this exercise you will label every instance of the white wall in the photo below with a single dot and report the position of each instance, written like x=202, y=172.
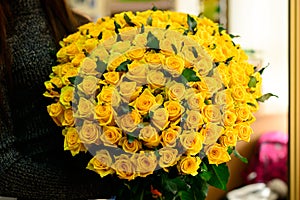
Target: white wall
x=263, y=26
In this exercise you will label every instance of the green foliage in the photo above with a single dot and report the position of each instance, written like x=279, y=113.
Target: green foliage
x=265, y=97
x=190, y=75
x=152, y=41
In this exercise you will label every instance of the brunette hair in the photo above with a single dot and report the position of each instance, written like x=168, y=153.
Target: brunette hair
x=62, y=20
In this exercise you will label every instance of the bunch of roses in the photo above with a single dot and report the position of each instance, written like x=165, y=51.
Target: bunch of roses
x=153, y=89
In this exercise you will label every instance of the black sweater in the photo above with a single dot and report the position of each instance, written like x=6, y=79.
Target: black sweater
x=33, y=164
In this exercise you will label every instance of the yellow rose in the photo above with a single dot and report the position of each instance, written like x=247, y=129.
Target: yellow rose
x=121, y=46
x=111, y=135
x=168, y=157
x=239, y=93
x=145, y=162
x=85, y=108
x=129, y=91
x=174, y=65
x=101, y=54
x=195, y=101
x=101, y=163
x=130, y=121
x=140, y=40
x=229, y=138
x=55, y=109
x=144, y=102
x=78, y=58
x=72, y=50
x=137, y=72
x=136, y=53
x=66, y=96
x=57, y=82
x=108, y=39
x=72, y=141
x=244, y=131
x=112, y=77
x=156, y=79
x=229, y=118
x=192, y=142
x=166, y=47
x=154, y=60
x=124, y=167
x=106, y=94
x=211, y=132
x=213, y=84
x=115, y=60
x=174, y=109
x=128, y=33
x=90, y=44
x=89, y=133
x=169, y=136
x=103, y=113
x=243, y=113
x=189, y=165
x=176, y=91
x=194, y=120
x=217, y=154
x=149, y=136
x=71, y=73
x=88, y=86
x=130, y=147
x=212, y=113
x=88, y=67
x=223, y=97
x=160, y=118
x=68, y=118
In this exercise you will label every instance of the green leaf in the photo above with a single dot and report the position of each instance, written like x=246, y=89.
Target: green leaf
x=251, y=104
x=252, y=82
x=265, y=97
x=233, y=36
x=239, y=156
x=101, y=66
x=192, y=24
x=128, y=20
x=142, y=28
x=184, y=195
x=130, y=138
x=123, y=67
x=149, y=21
x=100, y=36
x=220, y=176
x=195, y=53
x=190, y=75
x=221, y=29
x=174, y=48
x=204, y=173
x=227, y=61
x=152, y=41
x=117, y=27
x=154, y=8
x=262, y=69
x=71, y=79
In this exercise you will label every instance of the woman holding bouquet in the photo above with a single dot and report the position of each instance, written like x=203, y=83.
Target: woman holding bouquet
x=33, y=164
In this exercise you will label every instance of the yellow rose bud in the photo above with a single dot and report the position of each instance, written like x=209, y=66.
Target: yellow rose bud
x=129, y=91
x=144, y=102
x=174, y=109
x=168, y=157
x=194, y=120
x=174, y=65
x=160, y=118
x=169, y=136
x=217, y=154
x=112, y=77
x=229, y=138
x=68, y=118
x=103, y=113
x=244, y=131
x=212, y=113
x=137, y=72
x=145, y=162
x=192, y=142
x=111, y=135
x=88, y=86
x=66, y=96
x=56, y=81
x=211, y=132
x=136, y=53
x=130, y=147
x=72, y=141
x=130, y=121
x=149, y=136
x=106, y=94
x=243, y=113
x=124, y=167
x=176, y=91
x=101, y=163
x=189, y=165
x=85, y=108
x=229, y=118
x=89, y=133
x=156, y=79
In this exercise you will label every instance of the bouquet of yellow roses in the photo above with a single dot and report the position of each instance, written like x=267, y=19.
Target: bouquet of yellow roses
x=158, y=98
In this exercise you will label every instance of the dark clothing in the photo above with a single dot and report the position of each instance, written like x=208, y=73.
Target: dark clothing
x=33, y=163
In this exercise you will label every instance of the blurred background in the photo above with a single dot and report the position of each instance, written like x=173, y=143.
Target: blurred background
x=263, y=30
